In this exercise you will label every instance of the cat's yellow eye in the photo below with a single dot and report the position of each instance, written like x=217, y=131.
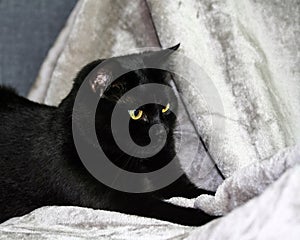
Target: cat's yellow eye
x=135, y=114
x=166, y=108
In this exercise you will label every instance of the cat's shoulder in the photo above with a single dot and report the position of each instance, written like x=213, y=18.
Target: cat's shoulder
x=9, y=97
x=6, y=91
x=8, y=94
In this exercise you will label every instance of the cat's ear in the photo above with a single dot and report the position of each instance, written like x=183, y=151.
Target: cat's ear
x=99, y=80
x=174, y=48
x=101, y=84
x=160, y=57
x=164, y=54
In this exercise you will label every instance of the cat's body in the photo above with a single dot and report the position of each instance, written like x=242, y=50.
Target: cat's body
x=39, y=164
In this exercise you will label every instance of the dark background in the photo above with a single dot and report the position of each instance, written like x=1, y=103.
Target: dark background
x=27, y=31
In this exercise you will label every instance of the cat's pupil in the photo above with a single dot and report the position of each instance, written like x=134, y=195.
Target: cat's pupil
x=136, y=112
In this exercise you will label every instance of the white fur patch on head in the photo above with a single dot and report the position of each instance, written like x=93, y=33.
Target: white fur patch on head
x=100, y=81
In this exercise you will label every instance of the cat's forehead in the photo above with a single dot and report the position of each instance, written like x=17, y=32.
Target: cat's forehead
x=142, y=77
x=143, y=94
x=150, y=75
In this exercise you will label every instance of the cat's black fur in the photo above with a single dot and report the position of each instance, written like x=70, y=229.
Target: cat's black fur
x=39, y=164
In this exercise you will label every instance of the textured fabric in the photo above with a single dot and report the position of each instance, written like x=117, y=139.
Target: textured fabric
x=249, y=182
x=250, y=51
x=274, y=215
x=81, y=223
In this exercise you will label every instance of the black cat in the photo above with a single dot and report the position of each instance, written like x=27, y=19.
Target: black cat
x=39, y=164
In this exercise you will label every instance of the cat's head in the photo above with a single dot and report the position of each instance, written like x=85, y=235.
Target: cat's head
x=143, y=117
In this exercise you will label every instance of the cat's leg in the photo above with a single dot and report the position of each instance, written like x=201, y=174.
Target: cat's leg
x=136, y=204
x=95, y=195
x=155, y=208
x=182, y=187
